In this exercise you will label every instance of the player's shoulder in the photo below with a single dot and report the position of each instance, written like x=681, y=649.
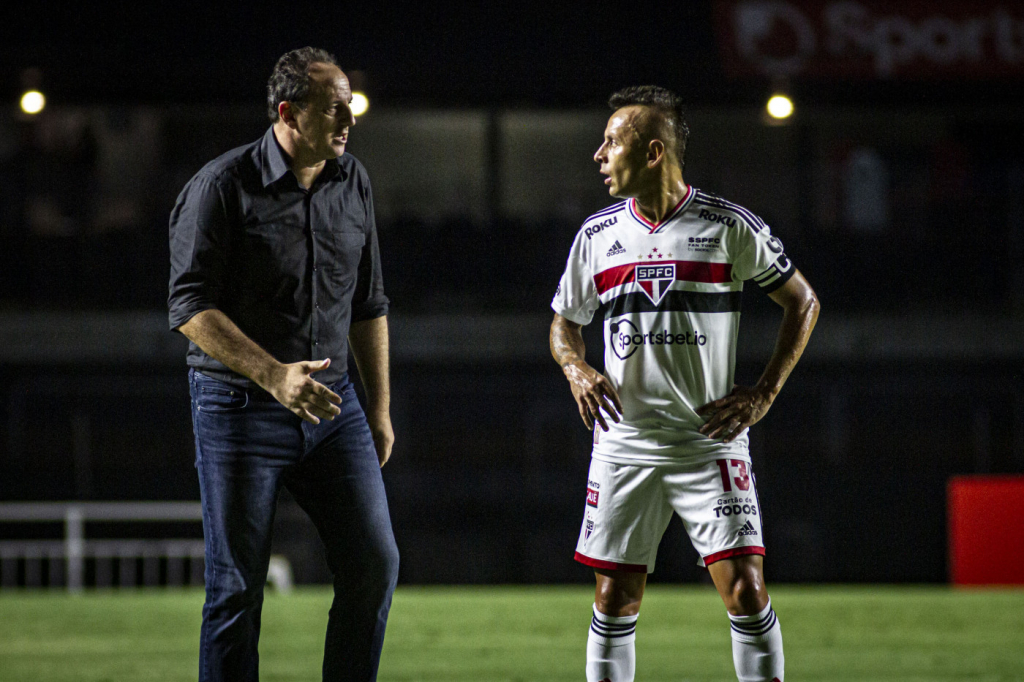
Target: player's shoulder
x=602, y=220
x=228, y=166
x=352, y=165
x=354, y=173
x=712, y=207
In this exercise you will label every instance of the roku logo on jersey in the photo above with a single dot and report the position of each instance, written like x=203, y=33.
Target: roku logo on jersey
x=626, y=338
x=594, y=229
x=717, y=217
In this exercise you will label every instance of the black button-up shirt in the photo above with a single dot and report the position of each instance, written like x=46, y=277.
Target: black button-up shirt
x=291, y=267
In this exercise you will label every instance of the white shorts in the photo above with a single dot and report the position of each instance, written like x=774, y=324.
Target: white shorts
x=629, y=507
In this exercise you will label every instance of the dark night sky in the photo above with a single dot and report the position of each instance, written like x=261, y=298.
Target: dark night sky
x=181, y=52
x=508, y=54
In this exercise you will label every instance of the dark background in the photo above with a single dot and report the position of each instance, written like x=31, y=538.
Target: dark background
x=913, y=376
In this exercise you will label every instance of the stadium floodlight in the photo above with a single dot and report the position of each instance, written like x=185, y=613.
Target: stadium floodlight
x=360, y=103
x=32, y=102
x=779, y=107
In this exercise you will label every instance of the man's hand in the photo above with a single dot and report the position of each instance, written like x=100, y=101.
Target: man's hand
x=593, y=393
x=369, y=341
x=294, y=388
x=739, y=410
x=383, y=435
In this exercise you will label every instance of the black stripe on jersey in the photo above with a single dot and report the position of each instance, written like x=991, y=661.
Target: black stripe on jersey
x=765, y=279
x=675, y=301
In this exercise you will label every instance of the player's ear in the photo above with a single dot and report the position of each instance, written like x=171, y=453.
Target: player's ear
x=655, y=152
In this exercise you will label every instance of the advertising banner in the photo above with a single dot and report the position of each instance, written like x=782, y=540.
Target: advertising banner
x=872, y=39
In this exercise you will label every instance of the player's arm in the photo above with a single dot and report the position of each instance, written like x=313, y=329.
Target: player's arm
x=290, y=384
x=368, y=340
x=745, y=406
x=592, y=390
x=368, y=333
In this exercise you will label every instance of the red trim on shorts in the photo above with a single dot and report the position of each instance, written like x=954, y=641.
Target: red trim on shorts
x=737, y=551
x=611, y=565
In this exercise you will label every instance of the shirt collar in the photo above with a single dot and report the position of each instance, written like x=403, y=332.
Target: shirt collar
x=272, y=161
x=274, y=164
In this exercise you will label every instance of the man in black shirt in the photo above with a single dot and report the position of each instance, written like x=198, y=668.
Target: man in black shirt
x=275, y=272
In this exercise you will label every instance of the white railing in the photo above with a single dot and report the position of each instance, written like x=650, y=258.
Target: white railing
x=73, y=551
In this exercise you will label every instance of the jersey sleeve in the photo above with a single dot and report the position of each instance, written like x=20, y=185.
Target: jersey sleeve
x=576, y=297
x=761, y=257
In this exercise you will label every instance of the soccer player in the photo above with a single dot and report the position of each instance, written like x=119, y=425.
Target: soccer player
x=668, y=265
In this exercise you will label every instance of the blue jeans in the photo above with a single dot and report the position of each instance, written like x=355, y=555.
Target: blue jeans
x=247, y=446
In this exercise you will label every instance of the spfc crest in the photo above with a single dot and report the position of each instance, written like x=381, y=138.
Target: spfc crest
x=655, y=280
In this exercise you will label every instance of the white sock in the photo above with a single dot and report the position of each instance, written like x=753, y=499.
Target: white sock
x=757, y=647
x=611, y=649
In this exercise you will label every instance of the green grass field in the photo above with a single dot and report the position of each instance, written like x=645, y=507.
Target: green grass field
x=528, y=634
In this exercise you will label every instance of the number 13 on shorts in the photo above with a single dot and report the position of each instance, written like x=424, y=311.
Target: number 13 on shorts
x=742, y=477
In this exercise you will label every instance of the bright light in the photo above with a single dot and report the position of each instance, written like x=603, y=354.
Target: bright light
x=359, y=104
x=780, y=106
x=32, y=102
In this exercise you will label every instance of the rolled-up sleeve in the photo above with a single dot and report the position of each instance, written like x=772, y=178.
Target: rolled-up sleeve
x=200, y=233
x=368, y=300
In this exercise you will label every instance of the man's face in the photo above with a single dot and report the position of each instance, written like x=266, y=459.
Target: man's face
x=325, y=117
x=622, y=156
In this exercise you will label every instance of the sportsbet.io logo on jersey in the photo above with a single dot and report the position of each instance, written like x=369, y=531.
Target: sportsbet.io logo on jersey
x=626, y=338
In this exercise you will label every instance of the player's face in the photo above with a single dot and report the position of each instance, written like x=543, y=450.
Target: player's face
x=324, y=119
x=622, y=155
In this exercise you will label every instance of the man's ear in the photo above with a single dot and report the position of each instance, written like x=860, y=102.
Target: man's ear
x=655, y=152
x=286, y=112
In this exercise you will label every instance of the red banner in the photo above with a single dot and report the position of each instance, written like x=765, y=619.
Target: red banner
x=871, y=39
x=986, y=538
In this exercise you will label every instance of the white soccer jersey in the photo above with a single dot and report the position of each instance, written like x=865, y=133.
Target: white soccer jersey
x=671, y=299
